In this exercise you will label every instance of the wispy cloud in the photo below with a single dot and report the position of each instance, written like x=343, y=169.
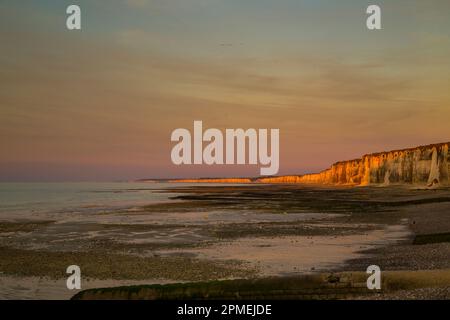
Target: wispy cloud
x=111, y=97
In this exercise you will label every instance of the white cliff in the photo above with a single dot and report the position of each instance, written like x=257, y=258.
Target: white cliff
x=425, y=165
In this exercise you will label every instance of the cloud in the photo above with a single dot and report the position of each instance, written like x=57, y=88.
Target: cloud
x=114, y=98
x=138, y=3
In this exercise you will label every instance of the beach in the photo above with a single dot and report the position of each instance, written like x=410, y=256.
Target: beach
x=162, y=233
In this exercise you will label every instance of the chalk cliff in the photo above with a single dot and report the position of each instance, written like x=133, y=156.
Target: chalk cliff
x=426, y=165
x=213, y=180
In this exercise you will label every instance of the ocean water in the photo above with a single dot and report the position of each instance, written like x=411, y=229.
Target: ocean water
x=22, y=200
x=94, y=217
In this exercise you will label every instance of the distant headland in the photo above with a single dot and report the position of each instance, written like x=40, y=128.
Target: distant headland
x=423, y=165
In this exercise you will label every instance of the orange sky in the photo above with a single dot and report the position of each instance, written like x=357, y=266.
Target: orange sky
x=101, y=104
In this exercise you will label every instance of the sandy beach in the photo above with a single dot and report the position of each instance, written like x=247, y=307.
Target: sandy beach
x=219, y=232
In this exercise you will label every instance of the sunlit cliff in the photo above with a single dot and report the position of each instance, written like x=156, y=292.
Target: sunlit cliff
x=213, y=180
x=425, y=165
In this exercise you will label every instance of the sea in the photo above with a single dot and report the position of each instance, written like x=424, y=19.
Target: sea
x=24, y=200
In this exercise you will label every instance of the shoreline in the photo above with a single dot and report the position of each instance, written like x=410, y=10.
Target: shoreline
x=396, y=285
x=217, y=227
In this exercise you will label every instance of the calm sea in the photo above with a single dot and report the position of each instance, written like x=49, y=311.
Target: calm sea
x=18, y=200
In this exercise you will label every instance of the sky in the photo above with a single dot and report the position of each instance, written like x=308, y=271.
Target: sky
x=100, y=104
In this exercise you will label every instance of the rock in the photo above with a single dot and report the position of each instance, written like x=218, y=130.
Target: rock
x=426, y=165
x=332, y=278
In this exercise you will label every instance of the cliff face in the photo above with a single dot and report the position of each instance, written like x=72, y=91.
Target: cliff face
x=213, y=180
x=425, y=165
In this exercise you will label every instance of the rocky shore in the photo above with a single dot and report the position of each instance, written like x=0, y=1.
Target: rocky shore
x=256, y=231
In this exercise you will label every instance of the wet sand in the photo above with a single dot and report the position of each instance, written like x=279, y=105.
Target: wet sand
x=296, y=255
x=32, y=288
x=226, y=232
